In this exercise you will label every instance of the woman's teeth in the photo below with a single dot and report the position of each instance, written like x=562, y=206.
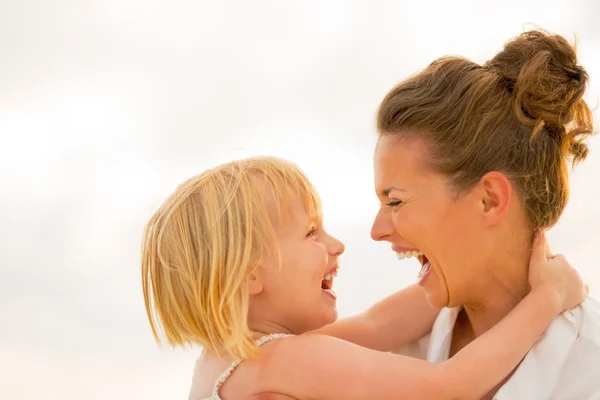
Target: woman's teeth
x=401, y=255
x=425, y=269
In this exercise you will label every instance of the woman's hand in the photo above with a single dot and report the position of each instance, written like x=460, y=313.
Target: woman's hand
x=554, y=274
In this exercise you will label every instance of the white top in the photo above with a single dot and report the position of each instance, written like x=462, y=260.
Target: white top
x=223, y=377
x=563, y=365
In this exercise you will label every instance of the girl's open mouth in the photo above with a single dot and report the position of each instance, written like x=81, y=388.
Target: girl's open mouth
x=327, y=283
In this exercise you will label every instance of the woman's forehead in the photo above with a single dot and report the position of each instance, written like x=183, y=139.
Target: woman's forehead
x=401, y=165
x=397, y=161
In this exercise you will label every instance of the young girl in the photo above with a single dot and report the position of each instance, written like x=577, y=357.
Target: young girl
x=237, y=260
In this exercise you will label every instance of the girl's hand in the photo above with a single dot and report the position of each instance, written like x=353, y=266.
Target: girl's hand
x=554, y=274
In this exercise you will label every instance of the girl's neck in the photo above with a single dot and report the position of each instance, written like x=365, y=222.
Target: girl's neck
x=262, y=328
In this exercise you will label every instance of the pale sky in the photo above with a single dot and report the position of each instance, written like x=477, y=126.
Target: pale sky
x=105, y=106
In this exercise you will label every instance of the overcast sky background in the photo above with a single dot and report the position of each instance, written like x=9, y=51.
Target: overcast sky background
x=105, y=106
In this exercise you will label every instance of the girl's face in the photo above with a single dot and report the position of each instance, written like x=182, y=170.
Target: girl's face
x=298, y=292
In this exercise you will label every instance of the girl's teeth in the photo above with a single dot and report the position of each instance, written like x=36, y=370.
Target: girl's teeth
x=331, y=291
x=334, y=274
x=401, y=255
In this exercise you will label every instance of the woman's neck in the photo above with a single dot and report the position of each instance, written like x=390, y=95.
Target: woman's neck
x=505, y=282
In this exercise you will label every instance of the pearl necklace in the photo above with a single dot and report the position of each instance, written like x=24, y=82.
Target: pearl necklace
x=223, y=377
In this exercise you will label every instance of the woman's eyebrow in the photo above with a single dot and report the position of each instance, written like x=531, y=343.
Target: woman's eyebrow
x=386, y=192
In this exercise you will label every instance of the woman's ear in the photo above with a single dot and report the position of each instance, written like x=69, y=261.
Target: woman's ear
x=497, y=194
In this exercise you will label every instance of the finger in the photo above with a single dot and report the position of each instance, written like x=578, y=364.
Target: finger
x=548, y=250
x=539, y=250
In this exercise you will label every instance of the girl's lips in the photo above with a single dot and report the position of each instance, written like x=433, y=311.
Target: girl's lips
x=330, y=293
x=331, y=270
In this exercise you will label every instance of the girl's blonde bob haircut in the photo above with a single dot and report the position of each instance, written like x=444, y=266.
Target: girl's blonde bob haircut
x=202, y=244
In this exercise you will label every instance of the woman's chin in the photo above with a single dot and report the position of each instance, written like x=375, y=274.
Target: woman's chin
x=435, y=292
x=436, y=299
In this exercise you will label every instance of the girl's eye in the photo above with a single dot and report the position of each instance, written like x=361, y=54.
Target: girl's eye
x=312, y=232
x=394, y=203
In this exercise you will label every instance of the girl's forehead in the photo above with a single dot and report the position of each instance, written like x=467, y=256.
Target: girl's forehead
x=291, y=212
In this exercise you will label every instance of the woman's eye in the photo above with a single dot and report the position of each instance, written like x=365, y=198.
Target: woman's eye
x=312, y=232
x=394, y=203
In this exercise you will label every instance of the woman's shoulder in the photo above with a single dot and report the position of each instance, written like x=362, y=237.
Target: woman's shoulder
x=575, y=351
x=576, y=335
x=585, y=320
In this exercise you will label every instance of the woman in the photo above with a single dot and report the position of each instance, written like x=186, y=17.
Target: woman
x=471, y=160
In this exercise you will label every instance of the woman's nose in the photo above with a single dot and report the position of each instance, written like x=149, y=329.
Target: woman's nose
x=382, y=226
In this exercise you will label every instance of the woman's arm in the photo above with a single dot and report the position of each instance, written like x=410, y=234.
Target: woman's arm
x=318, y=366
x=396, y=320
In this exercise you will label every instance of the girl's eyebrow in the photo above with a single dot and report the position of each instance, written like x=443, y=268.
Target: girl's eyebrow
x=315, y=219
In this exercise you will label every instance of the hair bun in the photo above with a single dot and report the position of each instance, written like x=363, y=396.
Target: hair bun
x=547, y=84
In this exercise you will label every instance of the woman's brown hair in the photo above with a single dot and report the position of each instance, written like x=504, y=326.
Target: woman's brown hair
x=521, y=113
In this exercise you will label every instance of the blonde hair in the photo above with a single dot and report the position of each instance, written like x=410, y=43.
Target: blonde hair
x=205, y=240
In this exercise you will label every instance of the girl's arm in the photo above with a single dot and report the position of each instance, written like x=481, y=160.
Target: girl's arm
x=323, y=367
x=388, y=325
x=318, y=366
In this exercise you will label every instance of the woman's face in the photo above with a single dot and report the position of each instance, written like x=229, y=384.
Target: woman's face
x=420, y=213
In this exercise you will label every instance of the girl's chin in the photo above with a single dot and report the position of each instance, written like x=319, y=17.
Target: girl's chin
x=332, y=317
x=328, y=320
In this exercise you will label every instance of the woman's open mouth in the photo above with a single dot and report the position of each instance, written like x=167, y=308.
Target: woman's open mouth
x=425, y=269
x=425, y=264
